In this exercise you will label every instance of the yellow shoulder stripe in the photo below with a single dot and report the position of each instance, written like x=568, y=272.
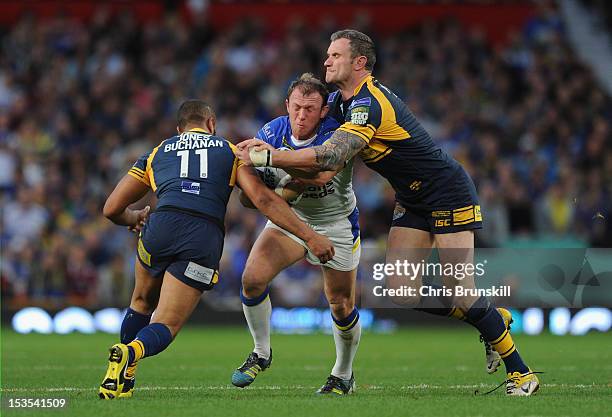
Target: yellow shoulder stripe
x=367, y=79
x=149, y=168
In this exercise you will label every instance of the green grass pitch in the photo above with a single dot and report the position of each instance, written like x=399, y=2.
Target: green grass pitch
x=420, y=372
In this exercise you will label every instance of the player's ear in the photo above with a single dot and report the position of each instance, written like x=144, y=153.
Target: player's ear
x=211, y=124
x=287, y=105
x=324, y=111
x=178, y=130
x=360, y=62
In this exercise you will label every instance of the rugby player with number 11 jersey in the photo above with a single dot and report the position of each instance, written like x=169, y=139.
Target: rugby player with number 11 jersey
x=180, y=244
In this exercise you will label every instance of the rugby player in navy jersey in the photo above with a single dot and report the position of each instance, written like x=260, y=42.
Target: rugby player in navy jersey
x=436, y=201
x=328, y=205
x=180, y=244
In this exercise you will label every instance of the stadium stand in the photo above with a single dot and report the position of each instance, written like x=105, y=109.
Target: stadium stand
x=80, y=102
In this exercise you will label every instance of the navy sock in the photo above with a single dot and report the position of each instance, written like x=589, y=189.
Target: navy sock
x=490, y=324
x=348, y=322
x=151, y=340
x=250, y=302
x=133, y=322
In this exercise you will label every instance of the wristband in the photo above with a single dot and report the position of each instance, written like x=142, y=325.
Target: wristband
x=260, y=158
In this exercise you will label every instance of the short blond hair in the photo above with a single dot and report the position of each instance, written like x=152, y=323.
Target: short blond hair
x=309, y=84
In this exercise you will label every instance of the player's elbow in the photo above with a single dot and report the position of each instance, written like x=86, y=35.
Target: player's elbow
x=112, y=209
x=245, y=201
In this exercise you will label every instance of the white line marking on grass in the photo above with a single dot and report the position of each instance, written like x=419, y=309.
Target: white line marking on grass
x=160, y=388
x=364, y=387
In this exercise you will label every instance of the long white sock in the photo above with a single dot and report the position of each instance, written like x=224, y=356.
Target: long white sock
x=347, y=342
x=258, y=318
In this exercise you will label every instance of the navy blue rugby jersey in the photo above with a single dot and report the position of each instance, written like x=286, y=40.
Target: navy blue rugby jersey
x=194, y=171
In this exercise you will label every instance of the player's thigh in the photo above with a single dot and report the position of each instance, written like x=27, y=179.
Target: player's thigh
x=177, y=301
x=272, y=252
x=146, y=290
x=457, y=249
x=406, y=244
x=339, y=286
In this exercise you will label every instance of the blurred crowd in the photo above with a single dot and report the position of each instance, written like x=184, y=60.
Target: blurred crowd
x=80, y=102
x=603, y=10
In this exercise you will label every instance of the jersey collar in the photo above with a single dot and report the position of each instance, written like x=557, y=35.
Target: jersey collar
x=365, y=80
x=198, y=129
x=305, y=142
x=289, y=136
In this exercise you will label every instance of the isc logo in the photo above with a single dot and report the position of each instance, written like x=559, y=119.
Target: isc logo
x=442, y=222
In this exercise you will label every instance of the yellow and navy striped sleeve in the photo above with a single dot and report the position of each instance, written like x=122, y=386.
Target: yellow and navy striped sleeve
x=139, y=170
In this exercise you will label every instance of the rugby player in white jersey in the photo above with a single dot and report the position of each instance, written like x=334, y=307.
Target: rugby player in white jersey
x=328, y=205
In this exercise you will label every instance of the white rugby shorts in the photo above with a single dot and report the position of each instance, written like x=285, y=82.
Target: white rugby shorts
x=343, y=233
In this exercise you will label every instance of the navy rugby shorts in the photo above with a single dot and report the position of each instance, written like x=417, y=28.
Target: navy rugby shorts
x=187, y=246
x=453, y=207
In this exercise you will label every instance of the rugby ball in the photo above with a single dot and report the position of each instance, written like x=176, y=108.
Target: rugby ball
x=278, y=180
x=270, y=176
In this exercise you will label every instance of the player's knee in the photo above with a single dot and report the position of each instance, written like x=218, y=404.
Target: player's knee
x=403, y=292
x=174, y=328
x=252, y=284
x=173, y=324
x=464, y=303
x=143, y=304
x=341, y=305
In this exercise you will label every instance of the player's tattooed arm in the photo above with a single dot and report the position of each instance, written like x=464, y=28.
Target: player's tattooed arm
x=331, y=156
x=334, y=153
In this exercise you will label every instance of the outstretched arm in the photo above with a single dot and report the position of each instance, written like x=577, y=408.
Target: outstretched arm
x=331, y=156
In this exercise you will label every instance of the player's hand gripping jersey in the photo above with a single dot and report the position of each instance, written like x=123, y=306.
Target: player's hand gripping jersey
x=332, y=201
x=428, y=183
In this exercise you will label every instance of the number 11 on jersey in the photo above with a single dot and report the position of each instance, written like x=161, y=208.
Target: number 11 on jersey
x=185, y=162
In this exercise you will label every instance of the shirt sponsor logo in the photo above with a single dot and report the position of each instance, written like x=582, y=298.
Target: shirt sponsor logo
x=319, y=192
x=359, y=115
x=267, y=130
x=190, y=187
